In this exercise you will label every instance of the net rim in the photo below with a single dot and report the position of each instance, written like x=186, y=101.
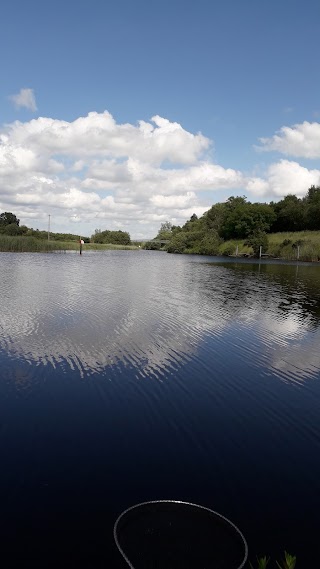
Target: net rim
x=198, y=506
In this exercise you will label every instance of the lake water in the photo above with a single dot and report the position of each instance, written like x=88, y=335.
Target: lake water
x=130, y=376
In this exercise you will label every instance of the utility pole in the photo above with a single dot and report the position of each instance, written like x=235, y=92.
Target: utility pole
x=49, y=228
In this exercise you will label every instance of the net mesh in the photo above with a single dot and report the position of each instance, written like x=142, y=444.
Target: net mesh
x=175, y=535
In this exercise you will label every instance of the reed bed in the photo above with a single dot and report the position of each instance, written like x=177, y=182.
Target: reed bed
x=21, y=244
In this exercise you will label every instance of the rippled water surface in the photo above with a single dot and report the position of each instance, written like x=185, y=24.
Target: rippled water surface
x=127, y=376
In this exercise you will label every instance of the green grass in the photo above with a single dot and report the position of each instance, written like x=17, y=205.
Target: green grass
x=281, y=245
x=20, y=244
x=230, y=248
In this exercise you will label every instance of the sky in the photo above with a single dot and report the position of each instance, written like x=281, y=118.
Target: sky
x=124, y=114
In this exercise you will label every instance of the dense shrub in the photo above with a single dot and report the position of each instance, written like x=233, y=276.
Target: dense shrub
x=115, y=237
x=152, y=246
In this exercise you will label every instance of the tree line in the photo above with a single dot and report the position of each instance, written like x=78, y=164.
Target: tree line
x=10, y=225
x=115, y=237
x=238, y=218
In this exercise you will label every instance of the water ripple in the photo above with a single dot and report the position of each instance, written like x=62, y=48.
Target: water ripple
x=157, y=316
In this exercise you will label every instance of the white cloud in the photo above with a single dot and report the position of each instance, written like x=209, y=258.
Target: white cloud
x=96, y=172
x=93, y=168
x=300, y=140
x=257, y=186
x=285, y=177
x=173, y=201
x=24, y=99
x=78, y=165
x=98, y=135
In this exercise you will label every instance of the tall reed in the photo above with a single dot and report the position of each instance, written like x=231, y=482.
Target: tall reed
x=20, y=244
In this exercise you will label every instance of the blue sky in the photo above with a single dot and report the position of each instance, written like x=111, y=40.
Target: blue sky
x=234, y=71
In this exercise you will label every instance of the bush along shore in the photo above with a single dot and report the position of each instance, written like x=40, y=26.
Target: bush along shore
x=289, y=230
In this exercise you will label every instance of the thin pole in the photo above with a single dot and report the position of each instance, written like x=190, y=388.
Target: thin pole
x=49, y=228
x=260, y=252
x=80, y=245
x=298, y=252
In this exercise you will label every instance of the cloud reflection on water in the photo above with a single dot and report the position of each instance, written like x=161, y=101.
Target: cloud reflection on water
x=152, y=312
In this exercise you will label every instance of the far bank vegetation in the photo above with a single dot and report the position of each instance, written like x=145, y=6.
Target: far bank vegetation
x=20, y=238
x=287, y=229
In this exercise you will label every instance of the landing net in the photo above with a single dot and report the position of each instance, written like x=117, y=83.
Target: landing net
x=168, y=534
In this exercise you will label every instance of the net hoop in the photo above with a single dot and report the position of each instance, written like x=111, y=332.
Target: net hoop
x=197, y=506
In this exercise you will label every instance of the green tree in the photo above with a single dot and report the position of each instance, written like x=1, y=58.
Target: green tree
x=7, y=218
x=165, y=231
x=37, y=234
x=215, y=216
x=152, y=246
x=209, y=244
x=312, y=208
x=243, y=218
x=193, y=224
x=114, y=237
x=12, y=229
x=178, y=243
x=289, y=214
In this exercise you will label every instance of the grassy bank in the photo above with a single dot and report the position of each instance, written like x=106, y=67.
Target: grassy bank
x=281, y=245
x=20, y=244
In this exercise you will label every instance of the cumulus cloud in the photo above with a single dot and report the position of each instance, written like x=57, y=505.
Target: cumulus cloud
x=99, y=135
x=93, y=170
x=98, y=173
x=290, y=177
x=170, y=202
x=24, y=99
x=285, y=177
x=300, y=140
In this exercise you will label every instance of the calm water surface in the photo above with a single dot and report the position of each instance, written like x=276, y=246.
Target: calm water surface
x=127, y=376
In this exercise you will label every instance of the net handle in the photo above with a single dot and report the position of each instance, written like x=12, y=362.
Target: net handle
x=239, y=533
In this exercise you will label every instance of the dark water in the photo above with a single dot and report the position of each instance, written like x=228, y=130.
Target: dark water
x=129, y=376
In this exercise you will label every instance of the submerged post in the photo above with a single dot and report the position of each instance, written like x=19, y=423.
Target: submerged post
x=80, y=245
